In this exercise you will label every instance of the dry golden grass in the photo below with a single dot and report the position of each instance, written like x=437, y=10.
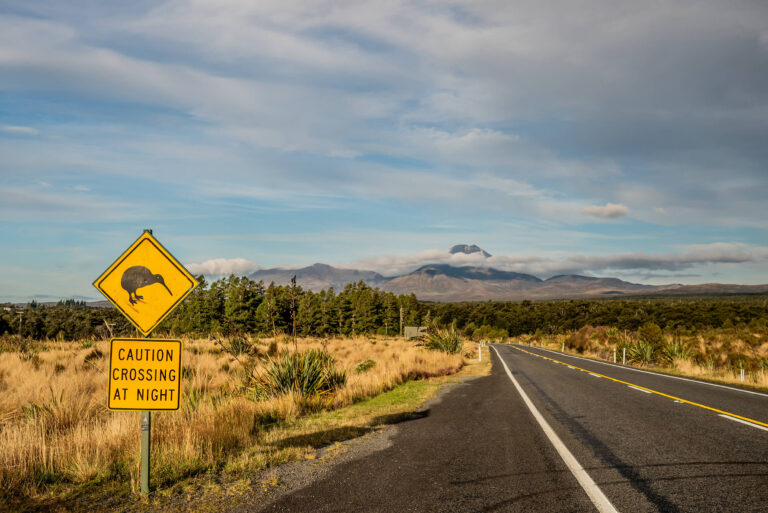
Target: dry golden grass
x=55, y=429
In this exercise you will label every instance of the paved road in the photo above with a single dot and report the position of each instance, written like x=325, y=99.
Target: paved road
x=482, y=449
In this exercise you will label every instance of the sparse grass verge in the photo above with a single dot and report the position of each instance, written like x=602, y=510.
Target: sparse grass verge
x=60, y=441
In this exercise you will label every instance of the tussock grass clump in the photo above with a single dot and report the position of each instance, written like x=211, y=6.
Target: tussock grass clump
x=365, y=365
x=306, y=373
x=236, y=346
x=641, y=352
x=448, y=341
x=674, y=351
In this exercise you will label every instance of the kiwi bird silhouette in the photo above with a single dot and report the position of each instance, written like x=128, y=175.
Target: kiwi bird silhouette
x=137, y=277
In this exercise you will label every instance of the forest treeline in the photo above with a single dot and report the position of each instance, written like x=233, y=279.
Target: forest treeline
x=240, y=305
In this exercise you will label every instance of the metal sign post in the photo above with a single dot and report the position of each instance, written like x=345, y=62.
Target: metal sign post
x=146, y=442
x=146, y=283
x=145, y=375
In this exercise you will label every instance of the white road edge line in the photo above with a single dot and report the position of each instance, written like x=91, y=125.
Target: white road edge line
x=646, y=391
x=595, y=494
x=743, y=422
x=654, y=373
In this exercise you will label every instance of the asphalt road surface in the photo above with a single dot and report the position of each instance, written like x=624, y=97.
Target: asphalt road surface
x=637, y=442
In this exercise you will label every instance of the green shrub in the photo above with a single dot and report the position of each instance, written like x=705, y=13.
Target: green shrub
x=675, y=351
x=613, y=335
x=364, y=366
x=235, y=346
x=17, y=343
x=641, y=352
x=304, y=373
x=489, y=332
x=579, y=340
x=447, y=341
x=651, y=334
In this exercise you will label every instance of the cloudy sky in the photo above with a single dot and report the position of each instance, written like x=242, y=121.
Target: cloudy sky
x=609, y=138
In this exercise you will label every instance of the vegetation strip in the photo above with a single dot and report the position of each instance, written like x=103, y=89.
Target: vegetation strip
x=657, y=373
x=243, y=401
x=686, y=401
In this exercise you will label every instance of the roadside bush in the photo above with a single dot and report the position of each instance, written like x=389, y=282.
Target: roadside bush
x=651, y=333
x=641, y=352
x=675, y=351
x=16, y=343
x=580, y=340
x=486, y=332
x=364, y=366
x=235, y=346
x=306, y=373
x=447, y=341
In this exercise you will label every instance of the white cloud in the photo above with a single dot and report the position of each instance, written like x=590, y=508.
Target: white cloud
x=394, y=265
x=453, y=86
x=40, y=204
x=763, y=38
x=18, y=130
x=607, y=211
x=551, y=264
x=224, y=267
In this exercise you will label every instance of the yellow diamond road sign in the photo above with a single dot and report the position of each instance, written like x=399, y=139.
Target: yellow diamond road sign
x=146, y=283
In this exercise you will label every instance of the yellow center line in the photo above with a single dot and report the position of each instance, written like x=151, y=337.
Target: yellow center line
x=686, y=401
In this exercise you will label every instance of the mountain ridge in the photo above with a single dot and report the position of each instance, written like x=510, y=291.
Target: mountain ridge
x=445, y=282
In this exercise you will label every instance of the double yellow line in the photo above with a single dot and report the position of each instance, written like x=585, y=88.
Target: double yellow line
x=704, y=406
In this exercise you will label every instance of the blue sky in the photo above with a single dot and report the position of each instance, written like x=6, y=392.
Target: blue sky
x=604, y=138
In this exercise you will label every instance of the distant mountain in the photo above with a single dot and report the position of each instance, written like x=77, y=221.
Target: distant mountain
x=574, y=285
x=446, y=283
x=714, y=289
x=443, y=282
x=317, y=277
x=475, y=273
x=468, y=250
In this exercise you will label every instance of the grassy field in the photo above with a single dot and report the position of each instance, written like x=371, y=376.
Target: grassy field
x=58, y=438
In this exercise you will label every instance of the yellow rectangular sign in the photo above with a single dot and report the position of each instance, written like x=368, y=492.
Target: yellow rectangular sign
x=144, y=374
